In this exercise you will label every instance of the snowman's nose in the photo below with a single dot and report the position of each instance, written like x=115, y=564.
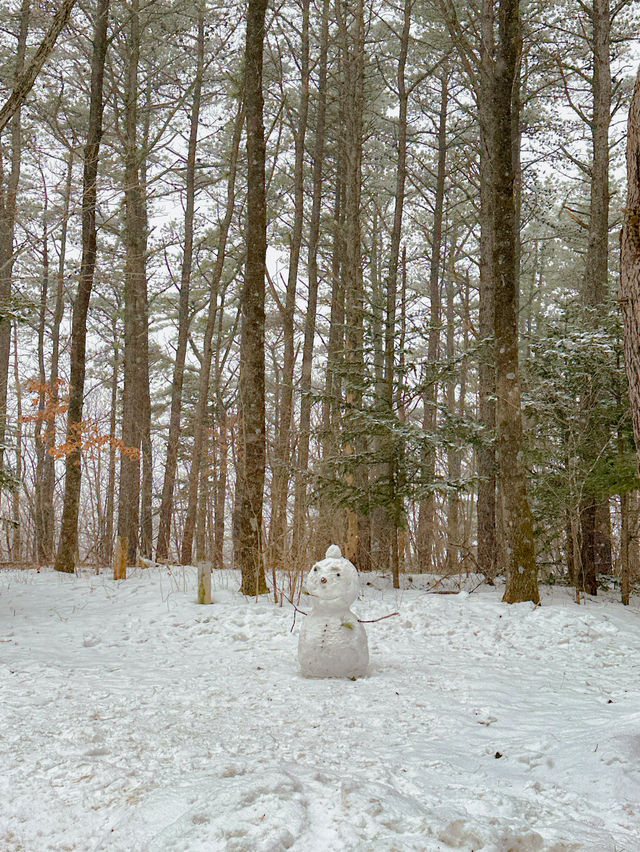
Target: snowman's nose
x=323, y=580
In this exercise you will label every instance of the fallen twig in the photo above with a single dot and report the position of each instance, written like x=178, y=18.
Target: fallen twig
x=382, y=617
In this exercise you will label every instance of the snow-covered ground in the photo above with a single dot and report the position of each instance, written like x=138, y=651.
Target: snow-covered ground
x=133, y=719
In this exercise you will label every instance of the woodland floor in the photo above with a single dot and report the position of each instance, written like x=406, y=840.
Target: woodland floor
x=133, y=719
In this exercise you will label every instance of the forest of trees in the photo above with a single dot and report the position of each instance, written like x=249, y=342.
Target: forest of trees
x=279, y=275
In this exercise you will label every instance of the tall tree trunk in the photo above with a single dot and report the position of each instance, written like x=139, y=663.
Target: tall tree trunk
x=8, y=198
x=380, y=538
x=278, y=550
x=426, y=518
x=68, y=546
x=393, y=503
x=522, y=583
x=48, y=479
x=107, y=542
x=16, y=542
x=487, y=551
x=221, y=486
x=207, y=351
x=454, y=460
x=166, y=505
x=247, y=527
x=596, y=540
x=304, y=430
x=630, y=263
x=135, y=396
x=331, y=525
x=43, y=395
x=351, y=24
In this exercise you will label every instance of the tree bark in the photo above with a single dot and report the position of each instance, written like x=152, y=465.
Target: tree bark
x=207, y=351
x=454, y=459
x=596, y=539
x=393, y=501
x=487, y=550
x=351, y=26
x=135, y=408
x=278, y=549
x=247, y=527
x=16, y=541
x=109, y=512
x=166, y=505
x=522, y=583
x=48, y=481
x=27, y=78
x=68, y=546
x=8, y=199
x=306, y=400
x=630, y=263
x=426, y=517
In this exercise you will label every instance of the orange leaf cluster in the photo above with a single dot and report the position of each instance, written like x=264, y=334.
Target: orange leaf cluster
x=85, y=437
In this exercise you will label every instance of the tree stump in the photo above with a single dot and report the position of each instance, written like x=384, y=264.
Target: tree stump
x=120, y=558
x=204, y=583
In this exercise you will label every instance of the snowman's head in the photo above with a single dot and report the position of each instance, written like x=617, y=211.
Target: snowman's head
x=334, y=579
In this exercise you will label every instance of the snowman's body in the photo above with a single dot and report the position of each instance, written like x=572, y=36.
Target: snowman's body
x=332, y=641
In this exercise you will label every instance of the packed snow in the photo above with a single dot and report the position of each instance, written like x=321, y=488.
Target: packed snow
x=133, y=718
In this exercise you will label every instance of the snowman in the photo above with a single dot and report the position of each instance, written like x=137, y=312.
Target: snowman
x=332, y=642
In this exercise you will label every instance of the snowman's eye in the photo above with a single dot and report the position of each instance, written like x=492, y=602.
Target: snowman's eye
x=315, y=569
x=338, y=574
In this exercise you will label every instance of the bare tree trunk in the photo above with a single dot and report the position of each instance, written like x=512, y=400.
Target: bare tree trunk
x=247, y=526
x=278, y=549
x=135, y=405
x=166, y=505
x=107, y=542
x=47, y=485
x=43, y=414
x=67, y=549
x=487, y=553
x=221, y=487
x=202, y=553
x=8, y=198
x=380, y=537
x=625, y=568
x=596, y=540
x=16, y=543
x=394, y=505
x=453, y=453
x=331, y=524
x=351, y=25
x=522, y=583
x=630, y=263
x=207, y=351
x=304, y=430
x=426, y=518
